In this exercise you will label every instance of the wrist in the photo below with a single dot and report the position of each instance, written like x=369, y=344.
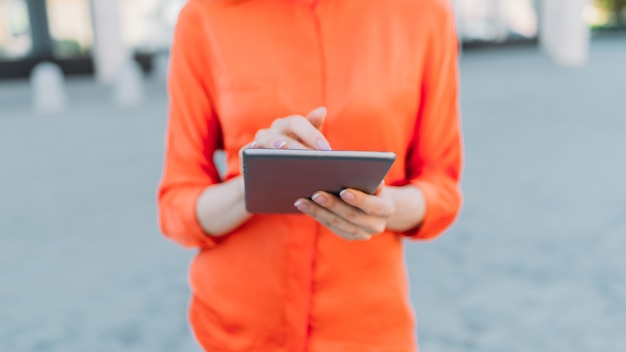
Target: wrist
x=410, y=207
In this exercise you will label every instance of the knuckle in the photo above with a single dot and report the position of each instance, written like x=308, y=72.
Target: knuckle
x=280, y=124
x=331, y=201
x=348, y=237
x=384, y=210
x=379, y=210
x=326, y=222
x=298, y=119
x=362, y=236
x=296, y=122
x=276, y=123
x=335, y=221
x=380, y=228
x=312, y=211
x=376, y=228
x=356, y=232
x=352, y=215
x=260, y=134
x=291, y=122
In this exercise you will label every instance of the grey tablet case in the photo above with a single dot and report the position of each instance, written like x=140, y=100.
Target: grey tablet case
x=275, y=178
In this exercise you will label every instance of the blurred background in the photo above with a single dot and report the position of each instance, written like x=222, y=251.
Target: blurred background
x=534, y=263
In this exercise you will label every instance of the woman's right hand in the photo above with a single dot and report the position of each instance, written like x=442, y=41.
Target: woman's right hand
x=294, y=132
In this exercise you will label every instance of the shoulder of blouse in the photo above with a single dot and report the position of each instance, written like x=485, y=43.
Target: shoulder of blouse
x=439, y=10
x=213, y=3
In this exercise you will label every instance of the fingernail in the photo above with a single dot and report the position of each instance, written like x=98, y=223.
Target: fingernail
x=347, y=196
x=301, y=205
x=323, y=145
x=319, y=198
x=320, y=110
x=279, y=144
x=251, y=145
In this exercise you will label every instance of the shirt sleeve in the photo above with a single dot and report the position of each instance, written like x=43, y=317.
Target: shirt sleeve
x=193, y=135
x=435, y=153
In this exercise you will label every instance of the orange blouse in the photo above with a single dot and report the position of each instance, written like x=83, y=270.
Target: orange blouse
x=387, y=72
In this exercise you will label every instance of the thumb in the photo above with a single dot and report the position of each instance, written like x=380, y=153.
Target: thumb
x=317, y=116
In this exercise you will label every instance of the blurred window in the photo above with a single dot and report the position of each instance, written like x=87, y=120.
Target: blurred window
x=148, y=25
x=70, y=28
x=497, y=20
x=15, y=34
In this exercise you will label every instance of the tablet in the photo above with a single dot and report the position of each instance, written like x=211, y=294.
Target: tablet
x=275, y=178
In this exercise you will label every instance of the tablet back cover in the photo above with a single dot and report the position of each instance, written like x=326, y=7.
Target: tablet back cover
x=274, y=178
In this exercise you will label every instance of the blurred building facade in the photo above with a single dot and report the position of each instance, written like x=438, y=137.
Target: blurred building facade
x=497, y=20
x=79, y=35
x=94, y=36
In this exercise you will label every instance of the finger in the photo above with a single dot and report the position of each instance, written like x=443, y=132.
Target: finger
x=333, y=222
x=317, y=116
x=370, y=223
x=375, y=205
x=250, y=145
x=299, y=128
x=269, y=139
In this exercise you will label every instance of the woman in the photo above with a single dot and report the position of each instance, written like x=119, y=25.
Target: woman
x=366, y=75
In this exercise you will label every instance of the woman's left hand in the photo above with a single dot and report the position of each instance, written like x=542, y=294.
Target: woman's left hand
x=354, y=215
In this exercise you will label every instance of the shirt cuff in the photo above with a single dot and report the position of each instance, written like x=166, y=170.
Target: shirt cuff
x=180, y=223
x=442, y=207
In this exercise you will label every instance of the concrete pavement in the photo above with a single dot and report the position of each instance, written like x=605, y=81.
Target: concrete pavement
x=534, y=263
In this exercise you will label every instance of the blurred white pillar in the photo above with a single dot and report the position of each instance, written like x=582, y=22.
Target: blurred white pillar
x=48, y=88
x=500, y=20
x=110, y=52
x=128, y=87
x=564, y=33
